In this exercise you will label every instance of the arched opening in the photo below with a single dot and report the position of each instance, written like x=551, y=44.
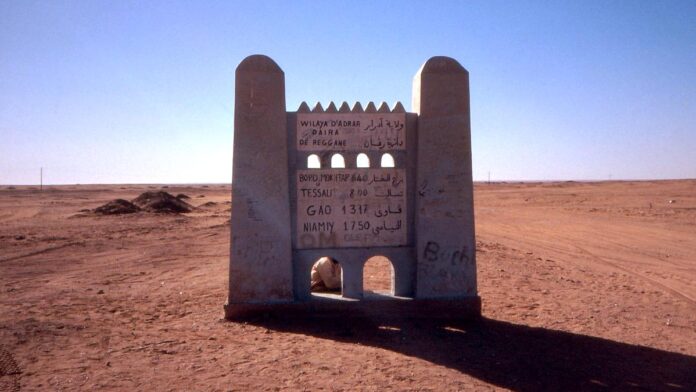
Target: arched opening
x=362, y=161
x=326, y=276
x=337, y=161
x=313, y=162
x=378, y=276
x=387, y=160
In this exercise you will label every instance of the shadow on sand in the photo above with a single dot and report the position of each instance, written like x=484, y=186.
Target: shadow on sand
x=514, y=356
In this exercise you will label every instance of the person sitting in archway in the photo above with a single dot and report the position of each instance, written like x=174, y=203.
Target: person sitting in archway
x=326, y=275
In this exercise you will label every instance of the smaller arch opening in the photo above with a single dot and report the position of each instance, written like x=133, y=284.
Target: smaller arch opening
x=313, y=162
x=387, y=160
x=362, y=161
x=337, y=161
x=378, y=276
x=326, y=276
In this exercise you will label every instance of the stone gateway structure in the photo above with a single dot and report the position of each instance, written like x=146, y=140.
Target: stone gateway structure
x=352, y=183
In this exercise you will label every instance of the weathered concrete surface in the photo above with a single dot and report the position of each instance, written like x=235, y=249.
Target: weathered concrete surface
x=260, y=255
x=445, y=243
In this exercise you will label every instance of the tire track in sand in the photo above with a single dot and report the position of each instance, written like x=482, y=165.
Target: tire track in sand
x=650, y=280
x=42, y=251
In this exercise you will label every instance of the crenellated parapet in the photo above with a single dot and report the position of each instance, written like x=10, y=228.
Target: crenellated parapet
x=357, y=107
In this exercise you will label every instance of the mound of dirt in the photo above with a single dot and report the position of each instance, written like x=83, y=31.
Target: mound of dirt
x=209, y=204
x=160, y=201
x=117, y=207
x=182, y=196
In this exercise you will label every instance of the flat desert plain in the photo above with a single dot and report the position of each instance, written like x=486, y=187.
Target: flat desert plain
x=585, y=286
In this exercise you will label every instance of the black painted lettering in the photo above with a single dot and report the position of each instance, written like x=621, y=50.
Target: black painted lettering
x=431, y=251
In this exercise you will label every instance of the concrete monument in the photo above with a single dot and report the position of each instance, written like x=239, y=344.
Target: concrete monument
x=353, y=183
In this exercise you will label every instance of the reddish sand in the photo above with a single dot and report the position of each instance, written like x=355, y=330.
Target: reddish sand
x=584, y=286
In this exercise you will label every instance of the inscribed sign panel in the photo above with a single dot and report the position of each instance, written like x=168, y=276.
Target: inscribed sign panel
x=351, y=131
x=351, y=208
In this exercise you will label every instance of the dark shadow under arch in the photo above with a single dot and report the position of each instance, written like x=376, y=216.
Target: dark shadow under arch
x=513, y=356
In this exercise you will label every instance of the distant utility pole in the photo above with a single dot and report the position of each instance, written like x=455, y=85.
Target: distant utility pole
x=41, y=180
x=489, y=178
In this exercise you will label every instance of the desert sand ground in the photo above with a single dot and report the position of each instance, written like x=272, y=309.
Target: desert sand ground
x=584, y=286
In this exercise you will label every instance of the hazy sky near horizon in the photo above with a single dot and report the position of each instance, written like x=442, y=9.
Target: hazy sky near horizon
x=143, y=92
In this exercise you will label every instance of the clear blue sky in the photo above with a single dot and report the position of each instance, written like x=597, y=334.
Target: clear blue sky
x=143, y=91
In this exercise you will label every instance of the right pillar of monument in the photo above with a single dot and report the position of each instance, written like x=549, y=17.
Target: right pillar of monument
x=445, y=239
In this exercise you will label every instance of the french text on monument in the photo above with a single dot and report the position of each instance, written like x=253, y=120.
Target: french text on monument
x=351, y=131
x=351, y=208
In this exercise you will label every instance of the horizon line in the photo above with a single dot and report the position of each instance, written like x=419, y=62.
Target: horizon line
x=474, y=181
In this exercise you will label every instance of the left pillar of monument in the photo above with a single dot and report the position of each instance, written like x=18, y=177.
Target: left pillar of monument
x=260, y=249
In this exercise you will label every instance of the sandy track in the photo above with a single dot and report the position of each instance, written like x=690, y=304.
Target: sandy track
x=585, y=286
x=624, y=235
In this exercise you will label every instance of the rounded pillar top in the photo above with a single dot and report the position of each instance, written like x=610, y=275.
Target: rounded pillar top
x=259, y=63
x=442, y=65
